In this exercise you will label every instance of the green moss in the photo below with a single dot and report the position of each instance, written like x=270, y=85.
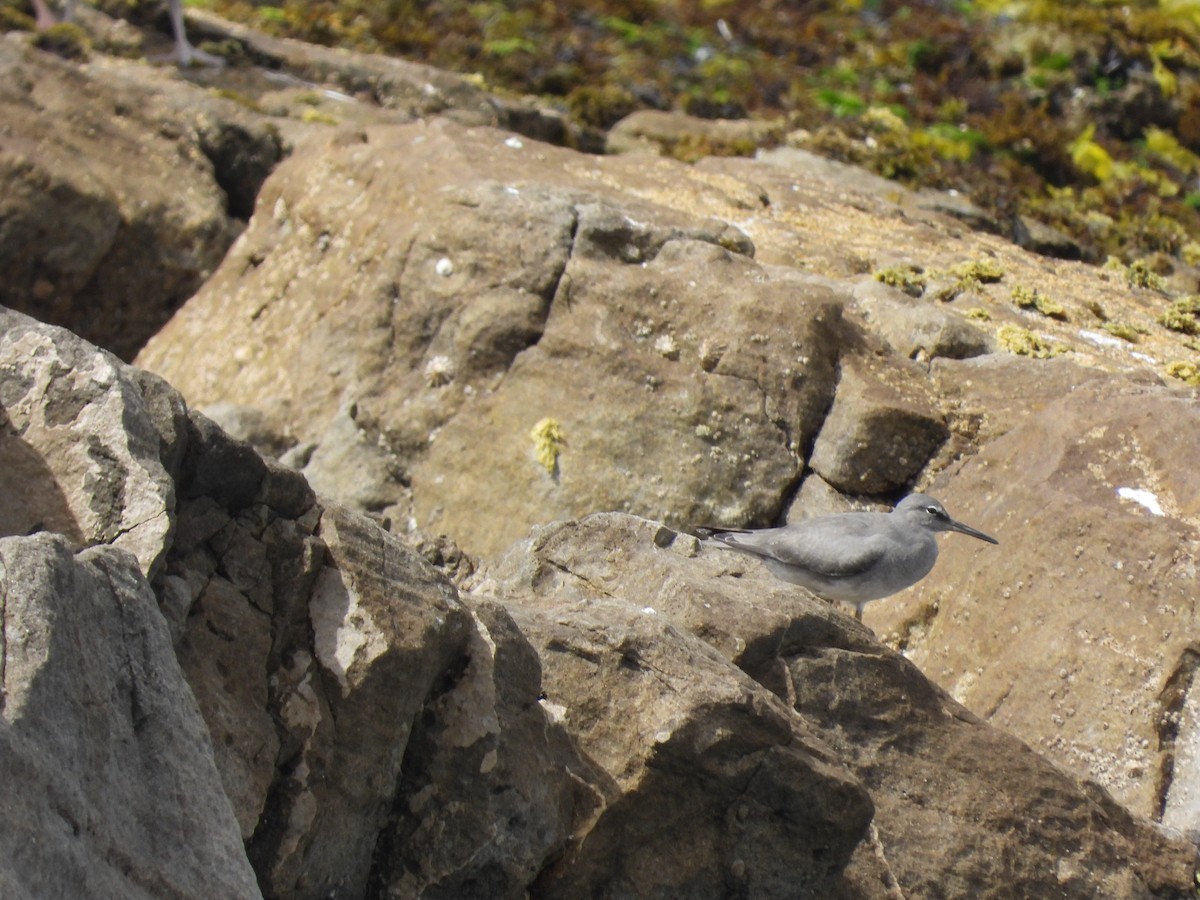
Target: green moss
x=1024, y=342
x=1031, y=298
x=549, y=439
x=65, y=39
x=840, y=103
x=13, y=19
x=600, y=106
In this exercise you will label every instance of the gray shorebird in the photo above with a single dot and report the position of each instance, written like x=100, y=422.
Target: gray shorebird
x=854, y=557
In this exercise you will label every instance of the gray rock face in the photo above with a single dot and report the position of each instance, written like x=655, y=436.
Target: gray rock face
x=523, y=333
x=80, y=444
x=352, y=701
x=110, y=789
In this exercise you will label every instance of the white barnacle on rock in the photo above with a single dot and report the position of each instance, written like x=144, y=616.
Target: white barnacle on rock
x=439, y=371
x=665, y=344
x=710, y=354
x=444, y=266
x=514, y=142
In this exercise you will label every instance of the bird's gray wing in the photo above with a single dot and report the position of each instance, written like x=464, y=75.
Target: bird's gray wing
x=830, y=551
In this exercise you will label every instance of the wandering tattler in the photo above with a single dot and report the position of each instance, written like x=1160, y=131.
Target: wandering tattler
x=854, y=557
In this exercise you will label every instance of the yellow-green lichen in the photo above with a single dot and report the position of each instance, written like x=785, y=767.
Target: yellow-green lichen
x=909, y=279
x=1125, y=331
x=1138, y=274
x=1187, y=372
x=978, y=313
x=978, y=271
x=1024, y=342
x=1091, y=158
x=316, y=116
x=549, y=439
x=1031, y=298
x=1183, y=315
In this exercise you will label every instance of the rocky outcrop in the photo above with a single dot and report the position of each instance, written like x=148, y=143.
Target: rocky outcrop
x=806, y=760
x=124, y=184
x=511, y=333
x=83, y=444
x=456, y=329
x=342, y=680
x=452, y=328
x=607, y=710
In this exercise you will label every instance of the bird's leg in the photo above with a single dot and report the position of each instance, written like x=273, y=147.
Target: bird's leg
x=858, y=613
x=46, y=19
x=185, y=54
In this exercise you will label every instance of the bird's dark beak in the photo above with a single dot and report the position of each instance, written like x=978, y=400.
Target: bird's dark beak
x=973, y=532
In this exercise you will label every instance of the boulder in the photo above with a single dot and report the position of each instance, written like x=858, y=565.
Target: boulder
x=915, y=329
x=1076, y=638
x=451, y=337
x=112, y=247
x=884, y=428
x=347, y=709
x=110, y=789
x=81, y=444
x=752, y=739
x=689, y=137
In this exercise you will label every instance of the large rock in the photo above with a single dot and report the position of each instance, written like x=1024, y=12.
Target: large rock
x=882, y=431
x=110, y=789
x=356, y=710
x=1078, y=637
x=121, y=188
x=361, y=711
x=753, y=740
x=685, y=380
x=81, y=444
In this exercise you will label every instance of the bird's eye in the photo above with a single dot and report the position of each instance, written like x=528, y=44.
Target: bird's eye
x=933, y=511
